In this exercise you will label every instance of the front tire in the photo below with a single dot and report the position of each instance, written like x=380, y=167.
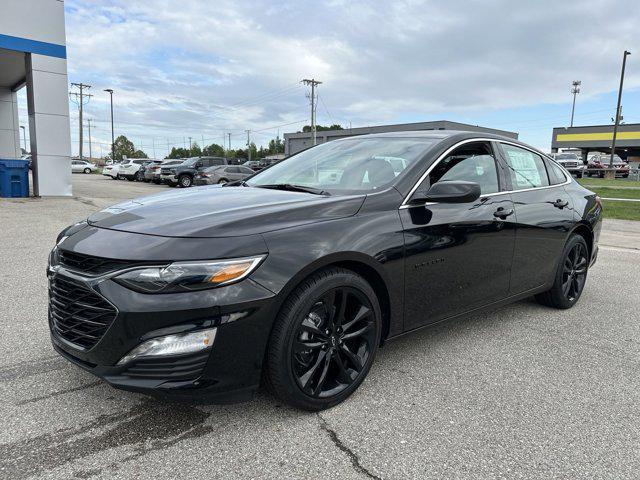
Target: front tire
x=185, y=181
x=87, y=170
x=222, y=181
x=571, y=275
x=324, y=340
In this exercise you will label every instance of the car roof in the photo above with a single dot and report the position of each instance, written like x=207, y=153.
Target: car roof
x=444, y=135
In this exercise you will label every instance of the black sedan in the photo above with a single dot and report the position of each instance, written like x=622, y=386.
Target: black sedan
x=294, y=278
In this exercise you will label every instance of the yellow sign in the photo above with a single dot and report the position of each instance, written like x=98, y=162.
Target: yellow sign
x=590, y=137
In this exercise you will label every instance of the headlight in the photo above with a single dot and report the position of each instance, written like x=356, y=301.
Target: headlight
x=188, y=276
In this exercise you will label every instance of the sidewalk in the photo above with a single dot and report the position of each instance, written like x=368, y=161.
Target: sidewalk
x=620, y=233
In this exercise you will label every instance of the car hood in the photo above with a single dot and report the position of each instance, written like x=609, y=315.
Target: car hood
x=213, y=211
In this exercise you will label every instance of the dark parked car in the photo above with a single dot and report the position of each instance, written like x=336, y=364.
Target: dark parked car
x=145, y=173
x=222, y=174
x=153, y=172
x=598, y=163
x=184, y=173
x=297, y=276
x=253, y=164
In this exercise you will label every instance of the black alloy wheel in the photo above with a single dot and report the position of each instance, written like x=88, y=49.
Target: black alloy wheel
x=139, y=176
x=185, y=181
x=324, y=340
x=333, y=342
x=571, y=275
x=574, y=273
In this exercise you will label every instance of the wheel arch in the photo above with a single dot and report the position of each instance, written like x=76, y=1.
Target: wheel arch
x=586, y=232
x=357, y=262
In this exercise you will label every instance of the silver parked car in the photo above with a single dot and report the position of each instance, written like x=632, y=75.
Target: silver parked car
x=222, y=174
x=81, y=166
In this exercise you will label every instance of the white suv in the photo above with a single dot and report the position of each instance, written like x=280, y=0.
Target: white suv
x=129, y=168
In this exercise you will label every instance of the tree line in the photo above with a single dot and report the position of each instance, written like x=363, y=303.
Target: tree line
x=124, y=148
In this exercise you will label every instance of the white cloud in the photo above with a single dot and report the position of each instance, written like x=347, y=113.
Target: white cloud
x=177, y=66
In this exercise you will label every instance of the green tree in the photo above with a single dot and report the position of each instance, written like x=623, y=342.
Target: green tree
x=276, y=146
x=213, y=150
x=123, y=147
x=321, y=128
x=178, y=153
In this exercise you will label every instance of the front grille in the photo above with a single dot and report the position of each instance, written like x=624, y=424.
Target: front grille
x=570, y=164
x=90, y=265
x=78, y=314
x=178, y=368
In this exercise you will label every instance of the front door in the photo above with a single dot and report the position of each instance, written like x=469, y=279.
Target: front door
x=543, y=214
x=458, y=256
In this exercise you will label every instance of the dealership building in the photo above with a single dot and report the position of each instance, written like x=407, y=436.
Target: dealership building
x=597, y=138
x=33, y=55
x=296, y=142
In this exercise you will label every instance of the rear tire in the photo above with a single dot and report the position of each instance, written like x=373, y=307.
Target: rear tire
x=324, y=340
x=571, y=275
x=87, y=170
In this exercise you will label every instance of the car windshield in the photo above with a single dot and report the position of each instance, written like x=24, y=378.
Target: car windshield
x=346, y=166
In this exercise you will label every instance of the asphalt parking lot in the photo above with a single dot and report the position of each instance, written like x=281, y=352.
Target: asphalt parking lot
x=521, y=392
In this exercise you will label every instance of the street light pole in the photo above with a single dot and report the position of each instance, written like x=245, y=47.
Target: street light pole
x=575, y=90
x=113, y=141
x=615, y=126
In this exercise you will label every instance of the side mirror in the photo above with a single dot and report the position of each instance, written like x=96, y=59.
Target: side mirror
x=455, y=191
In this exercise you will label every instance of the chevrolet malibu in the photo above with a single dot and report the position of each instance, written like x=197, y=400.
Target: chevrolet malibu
x=295, y=277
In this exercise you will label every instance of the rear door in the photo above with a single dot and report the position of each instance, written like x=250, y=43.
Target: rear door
x=543, y=215
x=458, y=255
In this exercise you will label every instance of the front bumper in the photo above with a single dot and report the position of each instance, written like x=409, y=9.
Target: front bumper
x=170, y=179
x=229, y=371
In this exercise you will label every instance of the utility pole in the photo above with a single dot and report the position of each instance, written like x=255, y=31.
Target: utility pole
x=190, y=146
x=229, y=133
x=313, y=84
x=153, y=146
x=248, y=144
x=113, y=140
x=615, y=126
x=90, y=153
x=80, y=97
x=575, y=90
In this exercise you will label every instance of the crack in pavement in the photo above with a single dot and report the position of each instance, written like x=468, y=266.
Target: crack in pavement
x=355, y=460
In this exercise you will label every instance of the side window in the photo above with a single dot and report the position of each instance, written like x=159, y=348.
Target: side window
x=556, y=173
x=216, y=161
x=231, y=170
x=473, y=162
x=526, y=168
x=246, y=170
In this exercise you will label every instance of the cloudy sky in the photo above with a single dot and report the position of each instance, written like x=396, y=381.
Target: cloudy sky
x=200, y=68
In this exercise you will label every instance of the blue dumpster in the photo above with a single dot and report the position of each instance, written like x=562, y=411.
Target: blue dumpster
x=14, y=178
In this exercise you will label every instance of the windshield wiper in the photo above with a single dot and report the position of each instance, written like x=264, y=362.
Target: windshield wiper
x=294, y=188
x=237, y=183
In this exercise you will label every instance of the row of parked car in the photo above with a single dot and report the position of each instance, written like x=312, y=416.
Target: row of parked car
x=595, y=166
x=183, y=172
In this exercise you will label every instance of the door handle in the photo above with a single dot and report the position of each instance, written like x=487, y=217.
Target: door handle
x=503, y=213
x=560, y=203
